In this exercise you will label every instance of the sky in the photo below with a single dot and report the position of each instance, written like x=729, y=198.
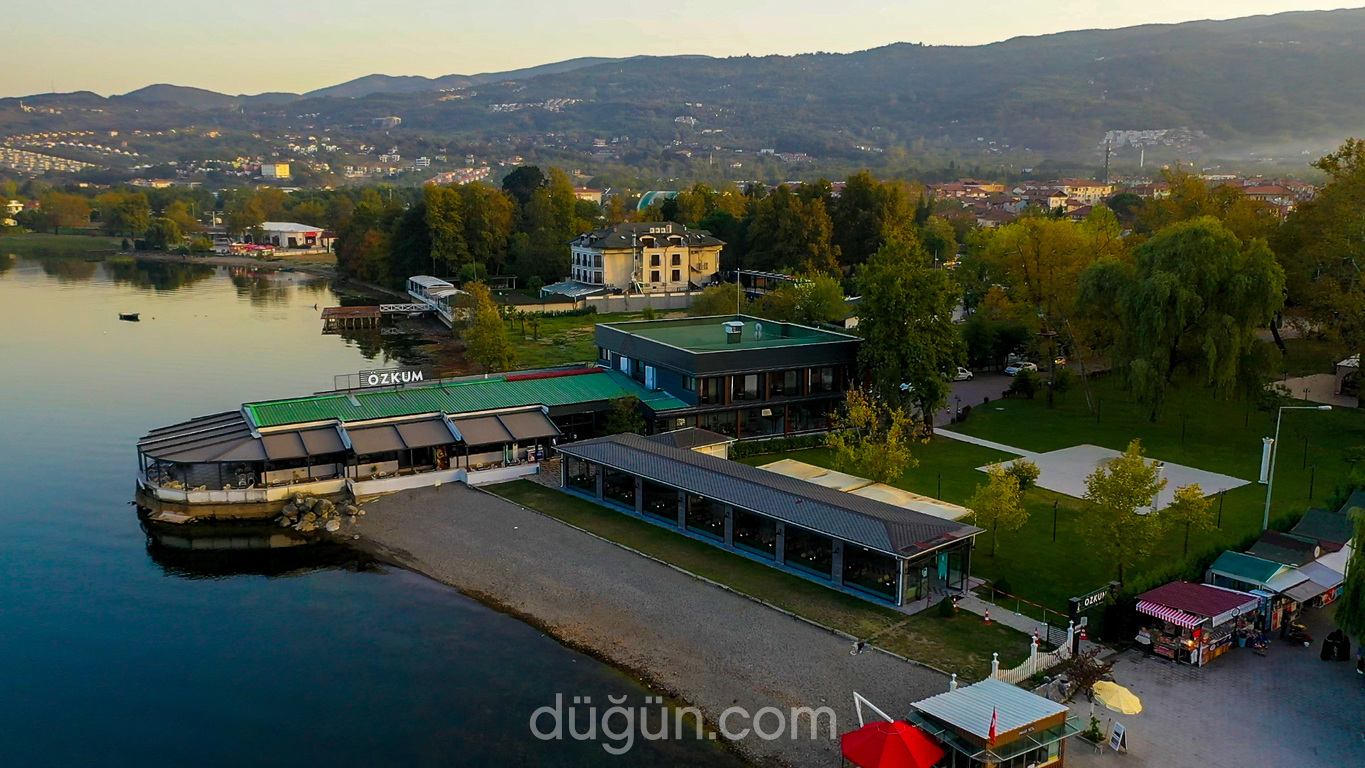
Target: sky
x=252, y=46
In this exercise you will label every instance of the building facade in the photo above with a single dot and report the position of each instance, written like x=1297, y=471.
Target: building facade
x=645, y=257
x=740, y=376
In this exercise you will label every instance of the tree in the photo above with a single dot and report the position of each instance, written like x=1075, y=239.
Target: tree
x=1322, y=248
x=489, y=218
x=624, y=417
x=163, y=234
x=485, y=341
x=1190, y=509
x=1025, y=383
x=1083, y=670
x=1193, y=297
x=124, y=213
x=1190, y=197
x=63, y=210
x=1024, y=471
x=867, y=214
x=535, y=326
x=1117, y=490
x=998, y=503
x=1350, y=611
x=812, y=299
x=905, y=320
x=444, y=220
x=523, y=182
x=872, y=438
x=790, y=235
x=723, y=299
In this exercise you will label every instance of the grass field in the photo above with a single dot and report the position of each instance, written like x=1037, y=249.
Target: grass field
x=46, y=243
x=961, y=644
x=1217, y=436
x=562, y=339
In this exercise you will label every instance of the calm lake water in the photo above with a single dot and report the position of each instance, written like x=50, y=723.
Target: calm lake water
x=116, y=651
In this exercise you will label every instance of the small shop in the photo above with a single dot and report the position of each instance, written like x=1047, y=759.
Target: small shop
x=994, y=724
x=1194, y=624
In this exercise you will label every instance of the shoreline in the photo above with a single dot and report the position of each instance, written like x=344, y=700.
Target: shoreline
x=705, y=646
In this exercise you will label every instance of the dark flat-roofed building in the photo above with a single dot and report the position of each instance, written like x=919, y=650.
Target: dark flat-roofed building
x=740, y=376
x=852, y=543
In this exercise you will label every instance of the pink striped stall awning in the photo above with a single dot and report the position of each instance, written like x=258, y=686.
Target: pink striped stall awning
x=1172, y=615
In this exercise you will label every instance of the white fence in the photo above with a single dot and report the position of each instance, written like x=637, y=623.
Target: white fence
x=1036, y=661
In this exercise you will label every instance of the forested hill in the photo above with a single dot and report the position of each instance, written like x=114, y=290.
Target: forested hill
x=1259, y=81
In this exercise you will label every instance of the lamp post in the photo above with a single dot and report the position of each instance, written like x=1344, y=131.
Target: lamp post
x=1275, y=452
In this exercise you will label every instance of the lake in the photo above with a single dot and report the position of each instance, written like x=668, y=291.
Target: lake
x=117, y=650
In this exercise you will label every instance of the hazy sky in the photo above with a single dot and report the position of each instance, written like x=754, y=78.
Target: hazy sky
x=249, y=46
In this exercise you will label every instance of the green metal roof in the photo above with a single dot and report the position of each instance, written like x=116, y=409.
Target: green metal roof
x=1243, y=567
x=460, y=397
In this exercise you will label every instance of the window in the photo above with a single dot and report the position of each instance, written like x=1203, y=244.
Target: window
x=755, y=533
x=654, y=260
x=706, y=517
x=808, y=551
x=722, y=422
x=618, y=487
x=654, y=276
x=709, y=390
x=784, y=384
x=762, y=422
x=660, y=502
x=870, y=571
x=677, y=260
x=690, y=383
x=581, y=475
x=597, y=261
x=824, y=380
x=745, y=387
x=677, y=276
x=809, y=417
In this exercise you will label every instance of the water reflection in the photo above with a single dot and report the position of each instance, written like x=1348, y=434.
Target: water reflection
x=215, y=550
x=68, y=270
x=157, y=275
x=7, y=261
x=263, y=288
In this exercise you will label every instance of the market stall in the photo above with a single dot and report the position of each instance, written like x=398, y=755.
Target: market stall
x=1195, y=623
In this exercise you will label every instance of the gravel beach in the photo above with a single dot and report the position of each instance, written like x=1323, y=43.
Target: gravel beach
x=709, y=647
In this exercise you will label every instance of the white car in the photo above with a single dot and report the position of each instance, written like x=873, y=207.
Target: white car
x=1013, y=369
x=963, y=374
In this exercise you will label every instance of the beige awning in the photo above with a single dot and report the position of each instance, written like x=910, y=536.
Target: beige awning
x=482, y=430
x=529, y=425
x=377, y=439
x=425, y=433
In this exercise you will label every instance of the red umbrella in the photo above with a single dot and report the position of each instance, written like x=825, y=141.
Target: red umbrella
x=890, y=745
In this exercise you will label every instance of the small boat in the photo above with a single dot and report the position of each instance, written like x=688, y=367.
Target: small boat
x=129, y=316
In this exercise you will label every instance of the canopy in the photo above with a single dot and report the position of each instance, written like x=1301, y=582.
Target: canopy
x=1171, y=615
x=1301, y=593
x=890, y=745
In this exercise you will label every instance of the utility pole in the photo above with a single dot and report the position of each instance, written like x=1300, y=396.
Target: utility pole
x=1107, y=149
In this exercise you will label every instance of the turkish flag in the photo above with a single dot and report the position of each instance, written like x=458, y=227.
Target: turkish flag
x=995, y=721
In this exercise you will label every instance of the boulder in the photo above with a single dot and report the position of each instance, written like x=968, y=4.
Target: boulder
x=305, y=526
x=290, y=510
x=324, y=508
x=299, y=499
x=308, y=517
x=283, y=521
x=351, y=519
x=310, y=504
x=332, y=526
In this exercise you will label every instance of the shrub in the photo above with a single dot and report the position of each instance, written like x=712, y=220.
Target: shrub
x=776, y=445
x=945, y=608
x=1025, y=383
x=964, y=413
x=1025, y=471
x=648, y=313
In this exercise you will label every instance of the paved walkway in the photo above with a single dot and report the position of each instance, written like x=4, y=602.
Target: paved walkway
x=711, y=647
x=1285, y=709
x=948, y=433
x=1318, y=388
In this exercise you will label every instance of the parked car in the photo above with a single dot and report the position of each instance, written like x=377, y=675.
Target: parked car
x=1013, y=369
x=962, y=374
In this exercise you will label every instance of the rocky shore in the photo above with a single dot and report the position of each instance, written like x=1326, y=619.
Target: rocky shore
x=707, y=646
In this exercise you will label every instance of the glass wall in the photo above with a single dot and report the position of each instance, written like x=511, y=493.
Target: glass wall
x=581, y=475
x=755, y=424
x=660, y=502
x=746, y=387
x=809, y=417
x=755, y=533
x=824, y=380
x=722, y=422
x=785, y=384
x=618, y=487
x=870, y=570
x=711, y=391
x=808, y=551
x=706, y=517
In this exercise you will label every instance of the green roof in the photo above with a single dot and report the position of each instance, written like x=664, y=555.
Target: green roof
x=1243, y=567
x=707, y=334
x=460, y=397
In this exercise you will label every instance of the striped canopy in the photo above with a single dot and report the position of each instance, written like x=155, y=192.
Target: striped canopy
x=1171, y=615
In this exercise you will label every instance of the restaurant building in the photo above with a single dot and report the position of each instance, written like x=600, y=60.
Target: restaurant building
x=993, y=723
x=855, y=544
x=377, y=440
x=1195, y=623
x=739, y=376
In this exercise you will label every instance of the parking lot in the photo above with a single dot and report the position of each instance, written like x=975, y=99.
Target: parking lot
x=1287, y=708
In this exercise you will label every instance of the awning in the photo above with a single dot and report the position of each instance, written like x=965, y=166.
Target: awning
x=482, y=430
x=1170, y=615
x=322, y=440
x=221, y=437
x=284, y=445
x=529, y=425
x=425, y=433
x=1323, y=573
x=1305, y=591
x=378, y=439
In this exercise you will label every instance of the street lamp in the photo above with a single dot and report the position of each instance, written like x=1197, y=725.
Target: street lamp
x=1275, y=452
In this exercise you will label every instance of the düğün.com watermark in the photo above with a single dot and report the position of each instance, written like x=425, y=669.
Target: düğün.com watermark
x=618, y=724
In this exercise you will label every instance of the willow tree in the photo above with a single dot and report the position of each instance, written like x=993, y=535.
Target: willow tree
x=1119, y=522
x=1192, y=299
x=1350, y=611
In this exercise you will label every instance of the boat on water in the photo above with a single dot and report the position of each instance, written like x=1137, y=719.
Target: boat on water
x=129, y=316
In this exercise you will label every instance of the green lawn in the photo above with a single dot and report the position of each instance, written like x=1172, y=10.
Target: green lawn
x=562, y=339
x=962, y=644
x=46, y=243
x=1218, y=436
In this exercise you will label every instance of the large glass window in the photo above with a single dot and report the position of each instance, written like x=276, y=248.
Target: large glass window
x=869, y=570
x=745, y=387
x=755, y=533
x=763, y=422
x=807, y=417
x=784, y=384
x=824, y=380
x=710, y=391
x=618, y=487
x=808, y=551
x=706, y=517
x=660, y=502
x=582, y=475
x=722, y=422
